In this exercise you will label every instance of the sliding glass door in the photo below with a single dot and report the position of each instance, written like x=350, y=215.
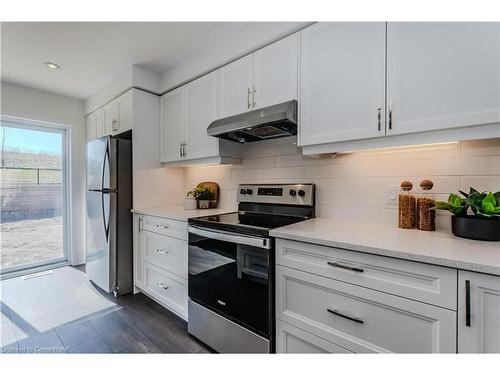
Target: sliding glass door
x=33, y=187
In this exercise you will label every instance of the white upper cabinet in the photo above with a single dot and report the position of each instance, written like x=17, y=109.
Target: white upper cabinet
x=478, y=313
x=276, y=72
x=124, y=109
x=201, y=101
x=185, y=115
x=172, y=125
x=92, y=125
x=342, y=82
x=266, y=77
x=236, y=87
x=442, y=75
x=111, y=119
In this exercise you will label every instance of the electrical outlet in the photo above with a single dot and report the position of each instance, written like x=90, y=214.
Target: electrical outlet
x=392, y=193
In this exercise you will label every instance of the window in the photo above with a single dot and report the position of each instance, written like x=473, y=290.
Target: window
x=33, y=186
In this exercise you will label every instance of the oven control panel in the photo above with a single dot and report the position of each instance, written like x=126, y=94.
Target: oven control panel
x=296, y=194
x=270, y=191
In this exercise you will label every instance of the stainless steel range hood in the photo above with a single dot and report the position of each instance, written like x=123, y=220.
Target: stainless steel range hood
x=275, y=121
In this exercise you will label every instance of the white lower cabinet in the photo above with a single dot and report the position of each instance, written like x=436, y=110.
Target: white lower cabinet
x=478, y=313
x=290, y=339
x=160, y=261
x=362, y=320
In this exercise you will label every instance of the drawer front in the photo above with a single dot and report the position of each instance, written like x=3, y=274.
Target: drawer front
x=172, y=228
x=422, y=282
x=166, y=252
x=169, y=289
x=290, y=339
x=361, y=319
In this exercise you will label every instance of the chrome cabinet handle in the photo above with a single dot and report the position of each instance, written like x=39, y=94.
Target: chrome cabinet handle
x=184, y=149
x=161, y=251
x=141, y=224
x=114, y=125
x=379, y=119
x=249, y=92
x=253, y=96
x=467, y=303
x=390, y=119
x=338, y=265
x=180, y=149
x=163, y=286
x=352, y=318
x=164, y=226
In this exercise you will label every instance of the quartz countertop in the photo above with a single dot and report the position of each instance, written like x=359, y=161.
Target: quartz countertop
x=440, y=248
x=179, y=213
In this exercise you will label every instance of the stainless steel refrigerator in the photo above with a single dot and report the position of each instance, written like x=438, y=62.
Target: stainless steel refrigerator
x=109, y=220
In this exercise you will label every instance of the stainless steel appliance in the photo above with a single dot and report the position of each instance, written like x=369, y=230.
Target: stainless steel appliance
x=276, y=121
x=231, y=267
x=109, y=220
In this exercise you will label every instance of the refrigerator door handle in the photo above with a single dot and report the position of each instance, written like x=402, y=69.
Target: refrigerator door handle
x=105, y=221
x=105, y=164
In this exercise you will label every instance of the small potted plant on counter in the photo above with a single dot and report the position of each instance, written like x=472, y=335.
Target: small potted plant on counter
x=202, y=194
x=483, y=223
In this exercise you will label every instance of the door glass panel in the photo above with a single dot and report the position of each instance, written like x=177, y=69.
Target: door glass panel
x=33, y=195
x=232, y=280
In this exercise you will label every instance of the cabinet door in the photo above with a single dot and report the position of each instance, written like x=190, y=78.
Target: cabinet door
x=173, y=114
x=276, y=72
x=342, y=82
x=236, y=87
x=201, y=103
x=91, y=126
x=139, y=251
x=124, y=112
x=110, y=118
x=478, y=313
x=442, y=75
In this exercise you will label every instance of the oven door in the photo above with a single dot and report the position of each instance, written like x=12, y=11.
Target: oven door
x=233, y=275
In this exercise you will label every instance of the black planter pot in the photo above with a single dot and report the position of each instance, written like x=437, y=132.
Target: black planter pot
x=475, y=229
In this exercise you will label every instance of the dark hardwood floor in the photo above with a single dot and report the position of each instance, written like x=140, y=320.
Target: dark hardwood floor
x=65, y=313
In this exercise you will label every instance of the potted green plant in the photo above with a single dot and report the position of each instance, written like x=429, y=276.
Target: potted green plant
x=475, y=215
x=202, y=194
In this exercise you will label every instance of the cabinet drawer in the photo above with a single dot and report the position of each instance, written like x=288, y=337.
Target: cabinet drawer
x=422, y=282
x=361, y=319
x=166, y=252
x=169, y=289
x=290, y=339
x=168, y=227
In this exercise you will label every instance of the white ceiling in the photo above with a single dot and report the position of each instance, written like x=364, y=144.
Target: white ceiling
x=91, y=53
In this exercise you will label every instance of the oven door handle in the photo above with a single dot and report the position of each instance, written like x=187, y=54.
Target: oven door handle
x=264, y=243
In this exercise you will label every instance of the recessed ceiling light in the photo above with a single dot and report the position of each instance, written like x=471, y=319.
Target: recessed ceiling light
x=52, y=65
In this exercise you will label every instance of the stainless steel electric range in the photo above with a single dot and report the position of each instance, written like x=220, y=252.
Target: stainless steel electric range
x=232, y=263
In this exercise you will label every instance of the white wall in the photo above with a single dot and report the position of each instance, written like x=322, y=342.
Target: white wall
x=356, y=186
x=154, y=185
x=224, y=45
x=134, y=76
x=28, y=103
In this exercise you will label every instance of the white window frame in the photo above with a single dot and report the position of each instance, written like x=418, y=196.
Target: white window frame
x=65, y=130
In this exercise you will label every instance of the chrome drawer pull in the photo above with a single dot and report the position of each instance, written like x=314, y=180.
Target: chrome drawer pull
x=354, y=319
x=355, y=269
x=165, y=252
x=164, y=226
x=163, y=286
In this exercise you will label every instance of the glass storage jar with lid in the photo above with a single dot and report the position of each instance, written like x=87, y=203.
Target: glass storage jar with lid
x=426, y=217
x=407, y=206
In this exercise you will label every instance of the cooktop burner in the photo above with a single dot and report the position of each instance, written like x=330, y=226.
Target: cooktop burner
x=262, y=208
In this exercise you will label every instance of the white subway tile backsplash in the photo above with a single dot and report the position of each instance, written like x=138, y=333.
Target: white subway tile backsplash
x=357, y=186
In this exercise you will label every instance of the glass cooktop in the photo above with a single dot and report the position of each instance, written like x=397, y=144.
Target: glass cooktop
x=246, y=222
